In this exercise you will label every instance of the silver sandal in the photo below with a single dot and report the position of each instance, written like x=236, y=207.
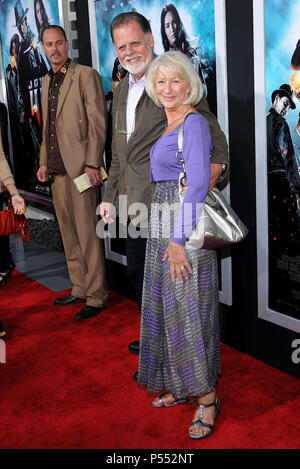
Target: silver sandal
x=199, y=424
x=175, y=402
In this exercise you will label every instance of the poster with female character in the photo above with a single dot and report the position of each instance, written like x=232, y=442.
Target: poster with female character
x=179, y=25
x=281, y=129
x=25, y=64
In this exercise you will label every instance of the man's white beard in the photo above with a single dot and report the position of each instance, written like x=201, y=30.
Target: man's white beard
x=140, y=67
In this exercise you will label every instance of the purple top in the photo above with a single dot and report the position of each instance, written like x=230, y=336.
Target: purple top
x=196, y=154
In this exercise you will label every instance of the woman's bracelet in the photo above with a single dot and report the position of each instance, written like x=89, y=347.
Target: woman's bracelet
x=15, y=193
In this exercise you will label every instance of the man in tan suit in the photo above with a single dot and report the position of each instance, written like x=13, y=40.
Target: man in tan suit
x=74, y=117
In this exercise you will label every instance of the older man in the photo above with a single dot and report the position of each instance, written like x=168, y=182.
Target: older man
x=137, y=124
x=74, y=116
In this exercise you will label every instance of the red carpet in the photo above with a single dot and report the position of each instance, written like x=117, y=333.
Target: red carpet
x=69, y=385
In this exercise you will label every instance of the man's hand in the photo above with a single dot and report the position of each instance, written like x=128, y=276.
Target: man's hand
x=42, y=174
x=94, y=176
x=105, y=212
x=215, y=172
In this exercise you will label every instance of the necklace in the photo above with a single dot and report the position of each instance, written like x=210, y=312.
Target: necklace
x=177, y=119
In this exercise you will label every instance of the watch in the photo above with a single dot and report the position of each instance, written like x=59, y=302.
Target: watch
x=92, y=167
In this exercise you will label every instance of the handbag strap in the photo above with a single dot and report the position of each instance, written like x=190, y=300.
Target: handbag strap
x=180, y=142
x=9, y=204
x=180, y=139
x=25, y=233
x=183, y=181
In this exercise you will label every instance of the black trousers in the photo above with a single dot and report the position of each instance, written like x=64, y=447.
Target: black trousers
x=5, y=255
x=135, y=251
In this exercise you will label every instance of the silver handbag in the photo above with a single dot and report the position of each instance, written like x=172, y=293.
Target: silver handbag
x=218, y=225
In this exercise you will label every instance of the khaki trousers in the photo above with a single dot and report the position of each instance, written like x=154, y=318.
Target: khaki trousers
x=76, y=215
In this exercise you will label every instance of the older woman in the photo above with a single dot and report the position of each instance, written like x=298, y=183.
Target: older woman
x=179, y=343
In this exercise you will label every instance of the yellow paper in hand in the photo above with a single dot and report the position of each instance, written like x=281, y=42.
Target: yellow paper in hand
x=82, y=182
x=103, y=173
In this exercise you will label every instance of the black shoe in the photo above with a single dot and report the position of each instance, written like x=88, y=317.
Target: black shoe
x=134, y=347
x=67, y=300
x=135, y=376
x=4, y=276
x=88, y=312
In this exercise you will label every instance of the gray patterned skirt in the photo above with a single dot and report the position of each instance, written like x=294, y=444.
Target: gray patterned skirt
x=179, y=341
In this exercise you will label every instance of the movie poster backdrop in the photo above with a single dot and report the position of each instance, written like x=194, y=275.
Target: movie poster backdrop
x=280, y=187
x=25, y=64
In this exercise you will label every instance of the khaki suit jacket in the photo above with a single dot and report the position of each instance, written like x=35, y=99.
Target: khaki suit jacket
x=80, y=119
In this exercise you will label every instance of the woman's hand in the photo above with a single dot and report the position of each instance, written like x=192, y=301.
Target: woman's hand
x=179, y=265
x=18, y=204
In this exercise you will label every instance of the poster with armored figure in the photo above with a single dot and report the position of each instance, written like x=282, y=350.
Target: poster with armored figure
x=25, y=64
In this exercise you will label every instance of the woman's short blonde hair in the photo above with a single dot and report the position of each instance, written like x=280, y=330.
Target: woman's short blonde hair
x=177, y=63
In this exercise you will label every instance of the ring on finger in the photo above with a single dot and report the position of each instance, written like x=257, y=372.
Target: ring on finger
x=182, y=267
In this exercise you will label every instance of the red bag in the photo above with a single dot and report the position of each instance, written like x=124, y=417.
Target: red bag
x=10, y=223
